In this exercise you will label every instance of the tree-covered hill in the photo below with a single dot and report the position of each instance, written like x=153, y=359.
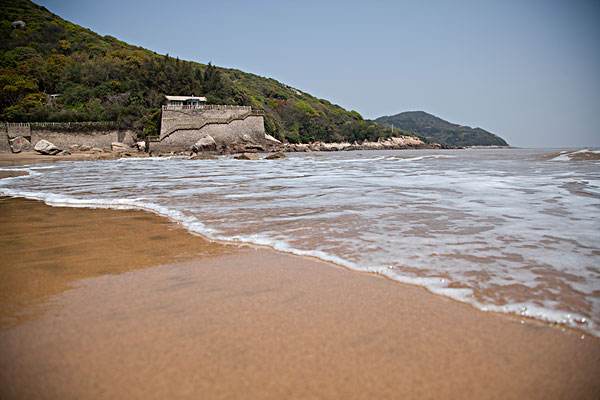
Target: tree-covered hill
x=100, y=78
x=439, y=131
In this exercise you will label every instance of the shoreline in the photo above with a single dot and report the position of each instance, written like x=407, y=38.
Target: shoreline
x=304, y=310
x=532, y=314
x=513, y=315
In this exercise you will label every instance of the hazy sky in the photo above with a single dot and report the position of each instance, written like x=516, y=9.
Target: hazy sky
x=526, y=70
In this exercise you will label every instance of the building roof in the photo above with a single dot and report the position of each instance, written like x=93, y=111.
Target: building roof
x=185, y=98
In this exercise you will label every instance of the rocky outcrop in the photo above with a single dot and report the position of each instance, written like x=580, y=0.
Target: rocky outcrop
x=247, y=156
x=120, y=147
x=19, y=144
x=203, y=156
x=275, y=156
x=47, y=148
x=392, y=143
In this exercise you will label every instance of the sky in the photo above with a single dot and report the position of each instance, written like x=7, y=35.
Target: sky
x=526, y=70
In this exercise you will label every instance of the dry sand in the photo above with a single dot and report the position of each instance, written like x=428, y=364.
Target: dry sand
x=122, y=304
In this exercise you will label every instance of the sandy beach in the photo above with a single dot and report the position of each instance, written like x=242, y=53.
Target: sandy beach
x=126, y=304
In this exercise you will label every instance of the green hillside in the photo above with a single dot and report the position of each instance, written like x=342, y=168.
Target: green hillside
x=437, y=130
x=100, y=78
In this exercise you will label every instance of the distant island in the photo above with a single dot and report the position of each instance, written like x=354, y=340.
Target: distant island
x=437, y=130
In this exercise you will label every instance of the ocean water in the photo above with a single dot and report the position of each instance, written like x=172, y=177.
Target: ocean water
x=505, y=230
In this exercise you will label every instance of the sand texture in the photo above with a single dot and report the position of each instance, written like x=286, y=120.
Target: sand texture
x=126, y=305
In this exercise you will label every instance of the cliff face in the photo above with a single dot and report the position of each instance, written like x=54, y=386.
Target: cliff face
x=440, y=131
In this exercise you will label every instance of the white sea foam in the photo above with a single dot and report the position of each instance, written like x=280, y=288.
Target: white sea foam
x=468, y=227
x=568, y=155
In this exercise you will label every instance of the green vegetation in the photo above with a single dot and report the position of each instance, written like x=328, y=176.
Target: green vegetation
x=437, y=130
x=104, y=79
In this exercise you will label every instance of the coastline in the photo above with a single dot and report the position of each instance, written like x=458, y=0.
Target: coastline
x=244, y=321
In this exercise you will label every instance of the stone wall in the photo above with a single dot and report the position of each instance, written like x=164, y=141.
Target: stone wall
x=17, y=129
x=100, y=139
x=4, y=144
x=63, y=135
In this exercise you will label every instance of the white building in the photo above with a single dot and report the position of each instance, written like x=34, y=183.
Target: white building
x=185, y=100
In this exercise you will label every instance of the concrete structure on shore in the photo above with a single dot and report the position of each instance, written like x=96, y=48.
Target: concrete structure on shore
x=183, y=125
x=185, y=120
x=63, y=135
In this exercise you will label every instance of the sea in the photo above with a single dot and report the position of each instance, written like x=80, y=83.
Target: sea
x=505, y=230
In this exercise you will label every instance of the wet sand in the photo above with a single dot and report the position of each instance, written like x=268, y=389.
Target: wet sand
x=124, y=304
x=31, y=157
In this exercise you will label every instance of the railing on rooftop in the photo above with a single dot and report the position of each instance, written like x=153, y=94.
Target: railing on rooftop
x=15, y=124
x=69, y=126
x=204, y=107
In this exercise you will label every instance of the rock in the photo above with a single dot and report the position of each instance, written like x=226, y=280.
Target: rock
x=271, y=139
x=84, y=147
x=247, y=156
x=74, y=147
x=252, y=148
x=119, y=147
x=45, y=147
x=96, y=150
x=141, y=146
x=64, y=153
x=19, y=144
x=203, y=156
x=246, y=138
x=300, y=147
x=206, y=143
x=275, y=156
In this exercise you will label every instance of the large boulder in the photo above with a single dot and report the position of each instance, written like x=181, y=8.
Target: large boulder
x=247, y=156
x=119, y=147
x=206, y=143
x=47, y=148
x=19, y=144
x=271, y=140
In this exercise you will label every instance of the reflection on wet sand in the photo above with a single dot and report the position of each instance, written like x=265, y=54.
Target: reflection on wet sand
x=49, y=248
